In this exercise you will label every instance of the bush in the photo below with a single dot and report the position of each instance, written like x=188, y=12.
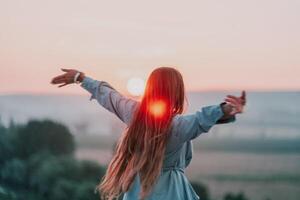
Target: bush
x=37, y=163
x=51, y=171
x=231, y=196
x=64, y=189
x=86, y=191
x=91, y=171
x=201, y=190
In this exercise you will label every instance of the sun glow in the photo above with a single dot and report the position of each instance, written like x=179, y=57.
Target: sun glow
x=158, y=108
x=136, y=86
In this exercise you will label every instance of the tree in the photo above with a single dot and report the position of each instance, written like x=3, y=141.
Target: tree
x=37, y=163
x=6, y=148
x=14, y=172
x=39, y=136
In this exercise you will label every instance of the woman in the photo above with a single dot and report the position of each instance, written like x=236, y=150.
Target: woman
x=156, y=147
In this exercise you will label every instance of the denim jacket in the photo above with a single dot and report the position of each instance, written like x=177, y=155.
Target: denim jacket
x=172, y=183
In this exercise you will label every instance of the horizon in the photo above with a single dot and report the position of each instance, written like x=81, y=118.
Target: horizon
x=126, y=93
x=277, y=119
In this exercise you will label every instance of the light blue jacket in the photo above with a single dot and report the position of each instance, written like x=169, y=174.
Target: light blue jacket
x=172, y=183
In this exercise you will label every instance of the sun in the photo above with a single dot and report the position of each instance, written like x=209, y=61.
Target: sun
x=136, y=86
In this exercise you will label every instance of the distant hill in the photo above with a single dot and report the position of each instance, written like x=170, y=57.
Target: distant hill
x=203, y=143
x=268, y=115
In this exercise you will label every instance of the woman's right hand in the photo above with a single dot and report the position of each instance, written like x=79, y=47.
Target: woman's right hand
x=67, y=78
x=237, y=104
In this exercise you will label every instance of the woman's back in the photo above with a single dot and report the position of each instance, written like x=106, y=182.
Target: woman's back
x=172, y=183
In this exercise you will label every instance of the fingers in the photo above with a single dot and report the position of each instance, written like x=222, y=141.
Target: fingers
x=243, y=97
x=232, y=100
x=237, y=103
x=63, y=84
x=58, y=79
x=234, y=108
x=233, y=97
x=65, y=70
x=66, y=78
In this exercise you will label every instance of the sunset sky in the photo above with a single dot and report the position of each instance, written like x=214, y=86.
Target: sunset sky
x=217, y=45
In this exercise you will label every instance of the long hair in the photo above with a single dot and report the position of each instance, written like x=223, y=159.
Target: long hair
x=141, y=148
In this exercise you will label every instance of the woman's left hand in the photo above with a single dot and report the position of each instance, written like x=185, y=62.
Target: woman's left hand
x=237, y=103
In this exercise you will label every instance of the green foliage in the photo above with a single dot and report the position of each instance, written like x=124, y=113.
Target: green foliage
x=37, y=163
x=6, y=147
x=201, y=190
x=231, y=196
x=6, y=194
x=91, y=171
x=64, y=189
x=14, y=172
x=38, y=136
x=86, y=191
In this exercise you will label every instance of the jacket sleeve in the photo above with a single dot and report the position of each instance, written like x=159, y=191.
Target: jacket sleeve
x=191, y=126
x=110, y=99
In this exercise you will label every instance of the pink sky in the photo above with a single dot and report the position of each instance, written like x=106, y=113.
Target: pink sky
x=217, y=45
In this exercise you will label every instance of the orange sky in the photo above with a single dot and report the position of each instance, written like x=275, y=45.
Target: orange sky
x=217, y=45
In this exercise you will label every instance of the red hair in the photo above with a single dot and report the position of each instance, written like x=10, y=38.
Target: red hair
x=141, y=148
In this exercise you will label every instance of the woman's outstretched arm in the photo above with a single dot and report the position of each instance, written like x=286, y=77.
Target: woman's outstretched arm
x=105, y=94
x=191, y=126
